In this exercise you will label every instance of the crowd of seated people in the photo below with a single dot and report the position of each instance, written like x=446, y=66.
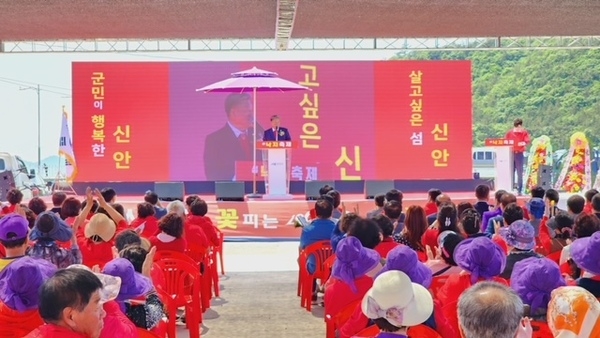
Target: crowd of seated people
x=80, y=269
x=517, y=269
x=507, y=269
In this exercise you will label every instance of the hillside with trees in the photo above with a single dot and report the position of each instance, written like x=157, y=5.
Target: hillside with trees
x=556, y=92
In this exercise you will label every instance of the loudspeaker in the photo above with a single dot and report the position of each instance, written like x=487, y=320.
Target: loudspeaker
x=545, y=177
x=170, y=191
x=374, y=188
x=7, y=182
x=230, y=191
x=311, y=189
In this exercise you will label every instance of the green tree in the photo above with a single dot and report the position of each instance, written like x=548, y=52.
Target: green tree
x=556, y=92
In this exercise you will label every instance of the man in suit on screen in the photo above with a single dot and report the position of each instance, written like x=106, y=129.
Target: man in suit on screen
x=233, y=142
x=276, y=133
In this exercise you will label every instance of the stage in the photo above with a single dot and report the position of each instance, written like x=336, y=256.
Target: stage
x=274, y=220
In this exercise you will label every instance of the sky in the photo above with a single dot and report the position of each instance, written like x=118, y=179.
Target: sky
x=21, y=72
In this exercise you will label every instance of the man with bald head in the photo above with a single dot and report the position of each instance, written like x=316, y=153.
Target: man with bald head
x=441, y=199
x=491, y=310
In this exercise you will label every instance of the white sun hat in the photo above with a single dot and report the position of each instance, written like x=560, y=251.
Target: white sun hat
x=395, y=298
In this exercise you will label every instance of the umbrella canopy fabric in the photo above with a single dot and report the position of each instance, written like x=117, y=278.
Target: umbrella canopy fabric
x=255, y=72
x=249, y=80
x=252, y=81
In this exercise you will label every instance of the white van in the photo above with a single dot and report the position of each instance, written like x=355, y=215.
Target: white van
x=24, y=179
x=484, y=162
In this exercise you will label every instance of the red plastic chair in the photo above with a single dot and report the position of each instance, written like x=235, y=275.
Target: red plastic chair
x=540, y=248
x=194, y=258
x=450, y=312
x=328, y=267
x=299, y=273
x=166, y=254
x=369, y=332
x=422, y=331
x=147, y=334
x=214, y=271
x=540, y=330
x=436, y=284
x=158, y=277
x=19, y=324
x=159, y=280
x=555, y=256
x=321, y=251
x=419, y=331
x=177, y=274
x=219, y=250
x=442, y=323
x=171, y=310
x=334, y=322
x=202, y=258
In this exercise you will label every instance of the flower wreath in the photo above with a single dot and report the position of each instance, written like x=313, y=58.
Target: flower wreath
x=540, y=154
x=575, y=173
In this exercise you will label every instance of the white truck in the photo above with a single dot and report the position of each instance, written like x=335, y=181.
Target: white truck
x=14, y=174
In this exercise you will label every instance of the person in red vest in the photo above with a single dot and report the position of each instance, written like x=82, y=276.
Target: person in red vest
x=520, y=137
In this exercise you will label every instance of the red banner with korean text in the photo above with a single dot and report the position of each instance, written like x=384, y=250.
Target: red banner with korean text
x=120, y=121
x=429, y=105
x=360, y=120
x=494, y=142
x=269, y=219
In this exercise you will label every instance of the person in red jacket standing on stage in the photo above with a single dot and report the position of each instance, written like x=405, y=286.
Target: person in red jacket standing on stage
x=520, y=137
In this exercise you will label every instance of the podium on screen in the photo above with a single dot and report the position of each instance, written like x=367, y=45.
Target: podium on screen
x=277, y=156
x=503, y=162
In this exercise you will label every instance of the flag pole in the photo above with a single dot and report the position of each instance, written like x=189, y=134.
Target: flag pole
x=63, y=182
x=59, y=159
x=39, y=128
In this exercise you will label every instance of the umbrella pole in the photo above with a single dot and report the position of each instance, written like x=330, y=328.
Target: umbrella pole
x=255, y=170
x=254, y=145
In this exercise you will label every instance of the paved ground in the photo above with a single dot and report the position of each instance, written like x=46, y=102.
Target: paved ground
x=258, y=296
x=262, y=304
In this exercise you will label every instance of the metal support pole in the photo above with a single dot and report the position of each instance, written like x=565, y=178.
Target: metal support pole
x=39, y=130
x=38, y=91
